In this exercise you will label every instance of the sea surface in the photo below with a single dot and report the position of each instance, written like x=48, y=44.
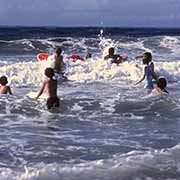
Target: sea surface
x=106, y=127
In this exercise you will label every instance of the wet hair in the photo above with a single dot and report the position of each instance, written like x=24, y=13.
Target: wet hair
x=88, y=55
x=58, y=51
x=49, y=72
x=3, y=80
x=111, y=50
x=147, y=57
x=162, y=83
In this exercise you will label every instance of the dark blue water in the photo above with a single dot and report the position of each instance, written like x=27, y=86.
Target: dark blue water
x=23, y=41
x=15, y=33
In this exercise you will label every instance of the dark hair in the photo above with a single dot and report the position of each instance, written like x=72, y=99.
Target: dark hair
x=3, y=80
x=148, y=56
x=88, y=55
x=111, y=50
x=49, y=72
x=58, y=51
x=161, y=83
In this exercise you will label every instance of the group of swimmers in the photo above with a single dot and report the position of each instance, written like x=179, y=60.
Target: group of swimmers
x=149, y=75
x=50, y=83
x=148, y=72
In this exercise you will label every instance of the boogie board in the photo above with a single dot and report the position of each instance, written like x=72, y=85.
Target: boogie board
x=42, y=56
x=75, y=57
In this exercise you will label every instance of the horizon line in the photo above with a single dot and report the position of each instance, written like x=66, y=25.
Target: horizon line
x=89, y=26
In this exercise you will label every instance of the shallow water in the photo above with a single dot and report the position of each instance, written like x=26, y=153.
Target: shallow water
x=106, y=127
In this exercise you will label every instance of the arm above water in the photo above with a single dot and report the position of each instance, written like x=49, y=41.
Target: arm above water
x=123, y=58
x=106, y=57
x=9, y=90
x=138, y=57
x=140, y=80
x=41, y=90
x=143, y=77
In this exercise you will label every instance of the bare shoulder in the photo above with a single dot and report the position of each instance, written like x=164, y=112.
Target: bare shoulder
x=152, y=64
x=106, y=57
x=45, y=82
x=60, y=57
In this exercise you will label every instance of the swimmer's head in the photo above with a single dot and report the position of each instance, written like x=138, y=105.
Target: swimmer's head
x=3, y=80
x=58, y=51
x=49, y=72
x=162, y=83
x=88, y=55
x=111, y=51
x=147, y=57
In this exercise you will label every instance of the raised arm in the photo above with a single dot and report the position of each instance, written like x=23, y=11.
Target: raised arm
x=138, y=57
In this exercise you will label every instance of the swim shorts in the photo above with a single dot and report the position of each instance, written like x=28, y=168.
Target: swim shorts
x=52, y=102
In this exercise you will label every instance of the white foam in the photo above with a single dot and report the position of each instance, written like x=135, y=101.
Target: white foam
x=153, y=164
x=32, y=73
x=172, y=43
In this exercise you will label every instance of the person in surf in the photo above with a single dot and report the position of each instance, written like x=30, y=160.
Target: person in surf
x=4, y=89
x=50, y=85
x=59, y=65
x=148, y=72
x=161, y=86
x=148, y=55
x=115, y=58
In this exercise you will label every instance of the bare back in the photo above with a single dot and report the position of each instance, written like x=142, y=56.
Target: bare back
x=5, y=90
x=59, y=65
x=51, y=88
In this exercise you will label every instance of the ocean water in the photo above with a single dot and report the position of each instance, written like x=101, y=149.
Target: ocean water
x=106, y=127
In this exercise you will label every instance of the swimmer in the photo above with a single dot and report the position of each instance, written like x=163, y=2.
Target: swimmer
x=161, y=86
x=148, y=73
x=117, y=59
x=148, y=55
x=59, y=65
x=50, y=85
x=4, y=89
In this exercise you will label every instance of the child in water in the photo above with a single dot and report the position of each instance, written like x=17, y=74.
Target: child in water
x=149, y=73
x=50, y=85
x=148, y=55
x=4, y=89
x=117, y=59
x=59, y=64
x=161, y=86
